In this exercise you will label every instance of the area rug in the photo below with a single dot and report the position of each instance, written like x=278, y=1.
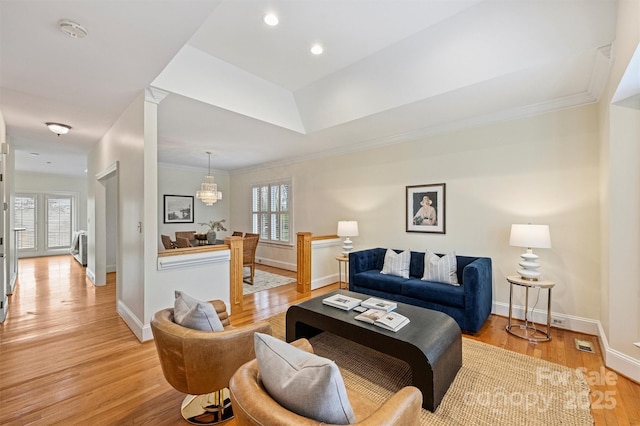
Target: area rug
x=263, y=280
x=493, y=387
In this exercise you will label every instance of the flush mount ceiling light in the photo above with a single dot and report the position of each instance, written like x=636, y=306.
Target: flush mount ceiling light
x=72, y=29
x=271, y=19
x=317, y=49
x=58, y=128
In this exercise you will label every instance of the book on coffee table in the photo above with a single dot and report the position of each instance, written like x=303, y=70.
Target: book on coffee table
x=341, y=301
x=375, y=303
x=392, y=321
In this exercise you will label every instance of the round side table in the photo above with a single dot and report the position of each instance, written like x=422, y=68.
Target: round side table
x=528, y=330
x=343, y=260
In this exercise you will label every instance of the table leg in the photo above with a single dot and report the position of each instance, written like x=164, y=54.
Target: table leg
x=549, y=314
x=510, y=305
x=526, y=307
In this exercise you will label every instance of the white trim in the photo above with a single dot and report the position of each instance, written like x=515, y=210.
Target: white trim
x=539, y=316
x=613, y=359
x=616, y=360
x=112, y=168
x=3, y=310
x=132, y=321
x=91, y=275
x=333, y=242
x=277, y=264
x=324, y=281
x=193, y=259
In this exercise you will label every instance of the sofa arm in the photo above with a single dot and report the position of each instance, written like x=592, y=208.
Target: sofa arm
x=364, y=260
x=477, y=281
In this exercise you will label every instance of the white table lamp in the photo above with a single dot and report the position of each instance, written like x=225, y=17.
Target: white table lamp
x=530, y=236
x=347, y=228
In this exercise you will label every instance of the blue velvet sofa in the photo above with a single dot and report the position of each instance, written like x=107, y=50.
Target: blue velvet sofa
x=469, y=303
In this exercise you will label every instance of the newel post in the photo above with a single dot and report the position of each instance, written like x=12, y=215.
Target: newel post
x=304, y=262
x=235, y=273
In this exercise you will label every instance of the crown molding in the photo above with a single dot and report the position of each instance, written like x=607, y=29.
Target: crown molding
x=155, y=95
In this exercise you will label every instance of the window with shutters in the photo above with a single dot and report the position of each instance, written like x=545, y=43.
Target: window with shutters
x=25, y=217
x=271, y=211
x=48, y=219
x=59, y=215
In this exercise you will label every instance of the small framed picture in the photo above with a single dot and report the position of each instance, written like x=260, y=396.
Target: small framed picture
x=426, y=208
x=178, y=209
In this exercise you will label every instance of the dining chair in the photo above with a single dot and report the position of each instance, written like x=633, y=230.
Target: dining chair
x=183, y=242
x=189, y=235
x=236, y=234
x=167, y=243
x=249, y=245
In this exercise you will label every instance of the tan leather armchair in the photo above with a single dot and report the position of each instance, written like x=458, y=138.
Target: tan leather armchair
x=253, y=405
x=200, y=363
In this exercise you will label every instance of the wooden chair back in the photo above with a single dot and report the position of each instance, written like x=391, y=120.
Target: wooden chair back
x=249, y=245
x=182, y=242
x=167, y=243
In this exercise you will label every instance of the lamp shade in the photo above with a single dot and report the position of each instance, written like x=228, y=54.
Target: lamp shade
x=533, y=236
x=348, y=228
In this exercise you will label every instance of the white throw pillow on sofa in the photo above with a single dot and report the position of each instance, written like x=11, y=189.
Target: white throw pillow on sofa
x=440, y=269
x=302, y=382
x=396, y=263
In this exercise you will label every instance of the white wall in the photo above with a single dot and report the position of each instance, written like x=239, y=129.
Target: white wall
x=5, y=195
x=122, y=144
x=26, y=182
x=542, y=169
x=620, y=203
x=180, y=181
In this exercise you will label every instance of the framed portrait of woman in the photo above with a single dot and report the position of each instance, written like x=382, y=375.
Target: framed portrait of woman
x=426, y=208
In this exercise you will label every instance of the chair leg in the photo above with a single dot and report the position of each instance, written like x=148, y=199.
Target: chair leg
x=207, y=409
x=249, y=278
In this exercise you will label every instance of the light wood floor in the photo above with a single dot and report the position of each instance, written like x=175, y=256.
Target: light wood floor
x=67, y=358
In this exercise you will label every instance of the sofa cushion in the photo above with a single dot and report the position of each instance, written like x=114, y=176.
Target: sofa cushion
x=302, y=382
x=195, y=314
x=396, y=263
x=375, y=281
x=438, y=293
x=440, y=269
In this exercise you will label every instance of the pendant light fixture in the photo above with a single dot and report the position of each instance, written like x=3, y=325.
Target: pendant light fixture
x=208, y=192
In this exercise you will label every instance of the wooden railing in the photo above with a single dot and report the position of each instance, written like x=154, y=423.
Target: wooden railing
x=234, y=245
x=304, y=259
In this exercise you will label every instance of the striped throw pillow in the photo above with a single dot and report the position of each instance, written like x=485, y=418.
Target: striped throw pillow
x=440, y=269
x=396, y=263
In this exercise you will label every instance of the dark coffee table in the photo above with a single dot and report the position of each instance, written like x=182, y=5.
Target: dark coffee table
x=431, y=343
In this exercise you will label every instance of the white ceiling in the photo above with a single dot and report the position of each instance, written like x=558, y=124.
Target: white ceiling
x=392, y=70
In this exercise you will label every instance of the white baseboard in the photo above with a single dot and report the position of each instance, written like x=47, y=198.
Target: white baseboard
x=623, y=364
x=613, y=359
x=141, y=332
x=277, y=264
x=111, y=268
x=324, y=281
x=12, y=284
x=539, y=316
x=92, y=276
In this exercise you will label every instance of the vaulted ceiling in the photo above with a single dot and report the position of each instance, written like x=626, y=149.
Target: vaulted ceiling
x=392, y=70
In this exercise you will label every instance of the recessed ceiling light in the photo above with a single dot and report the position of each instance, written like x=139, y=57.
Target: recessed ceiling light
x=58, y=128
x=317, y=49
x=34, y=154
x=271, y=19
x=72, y=29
